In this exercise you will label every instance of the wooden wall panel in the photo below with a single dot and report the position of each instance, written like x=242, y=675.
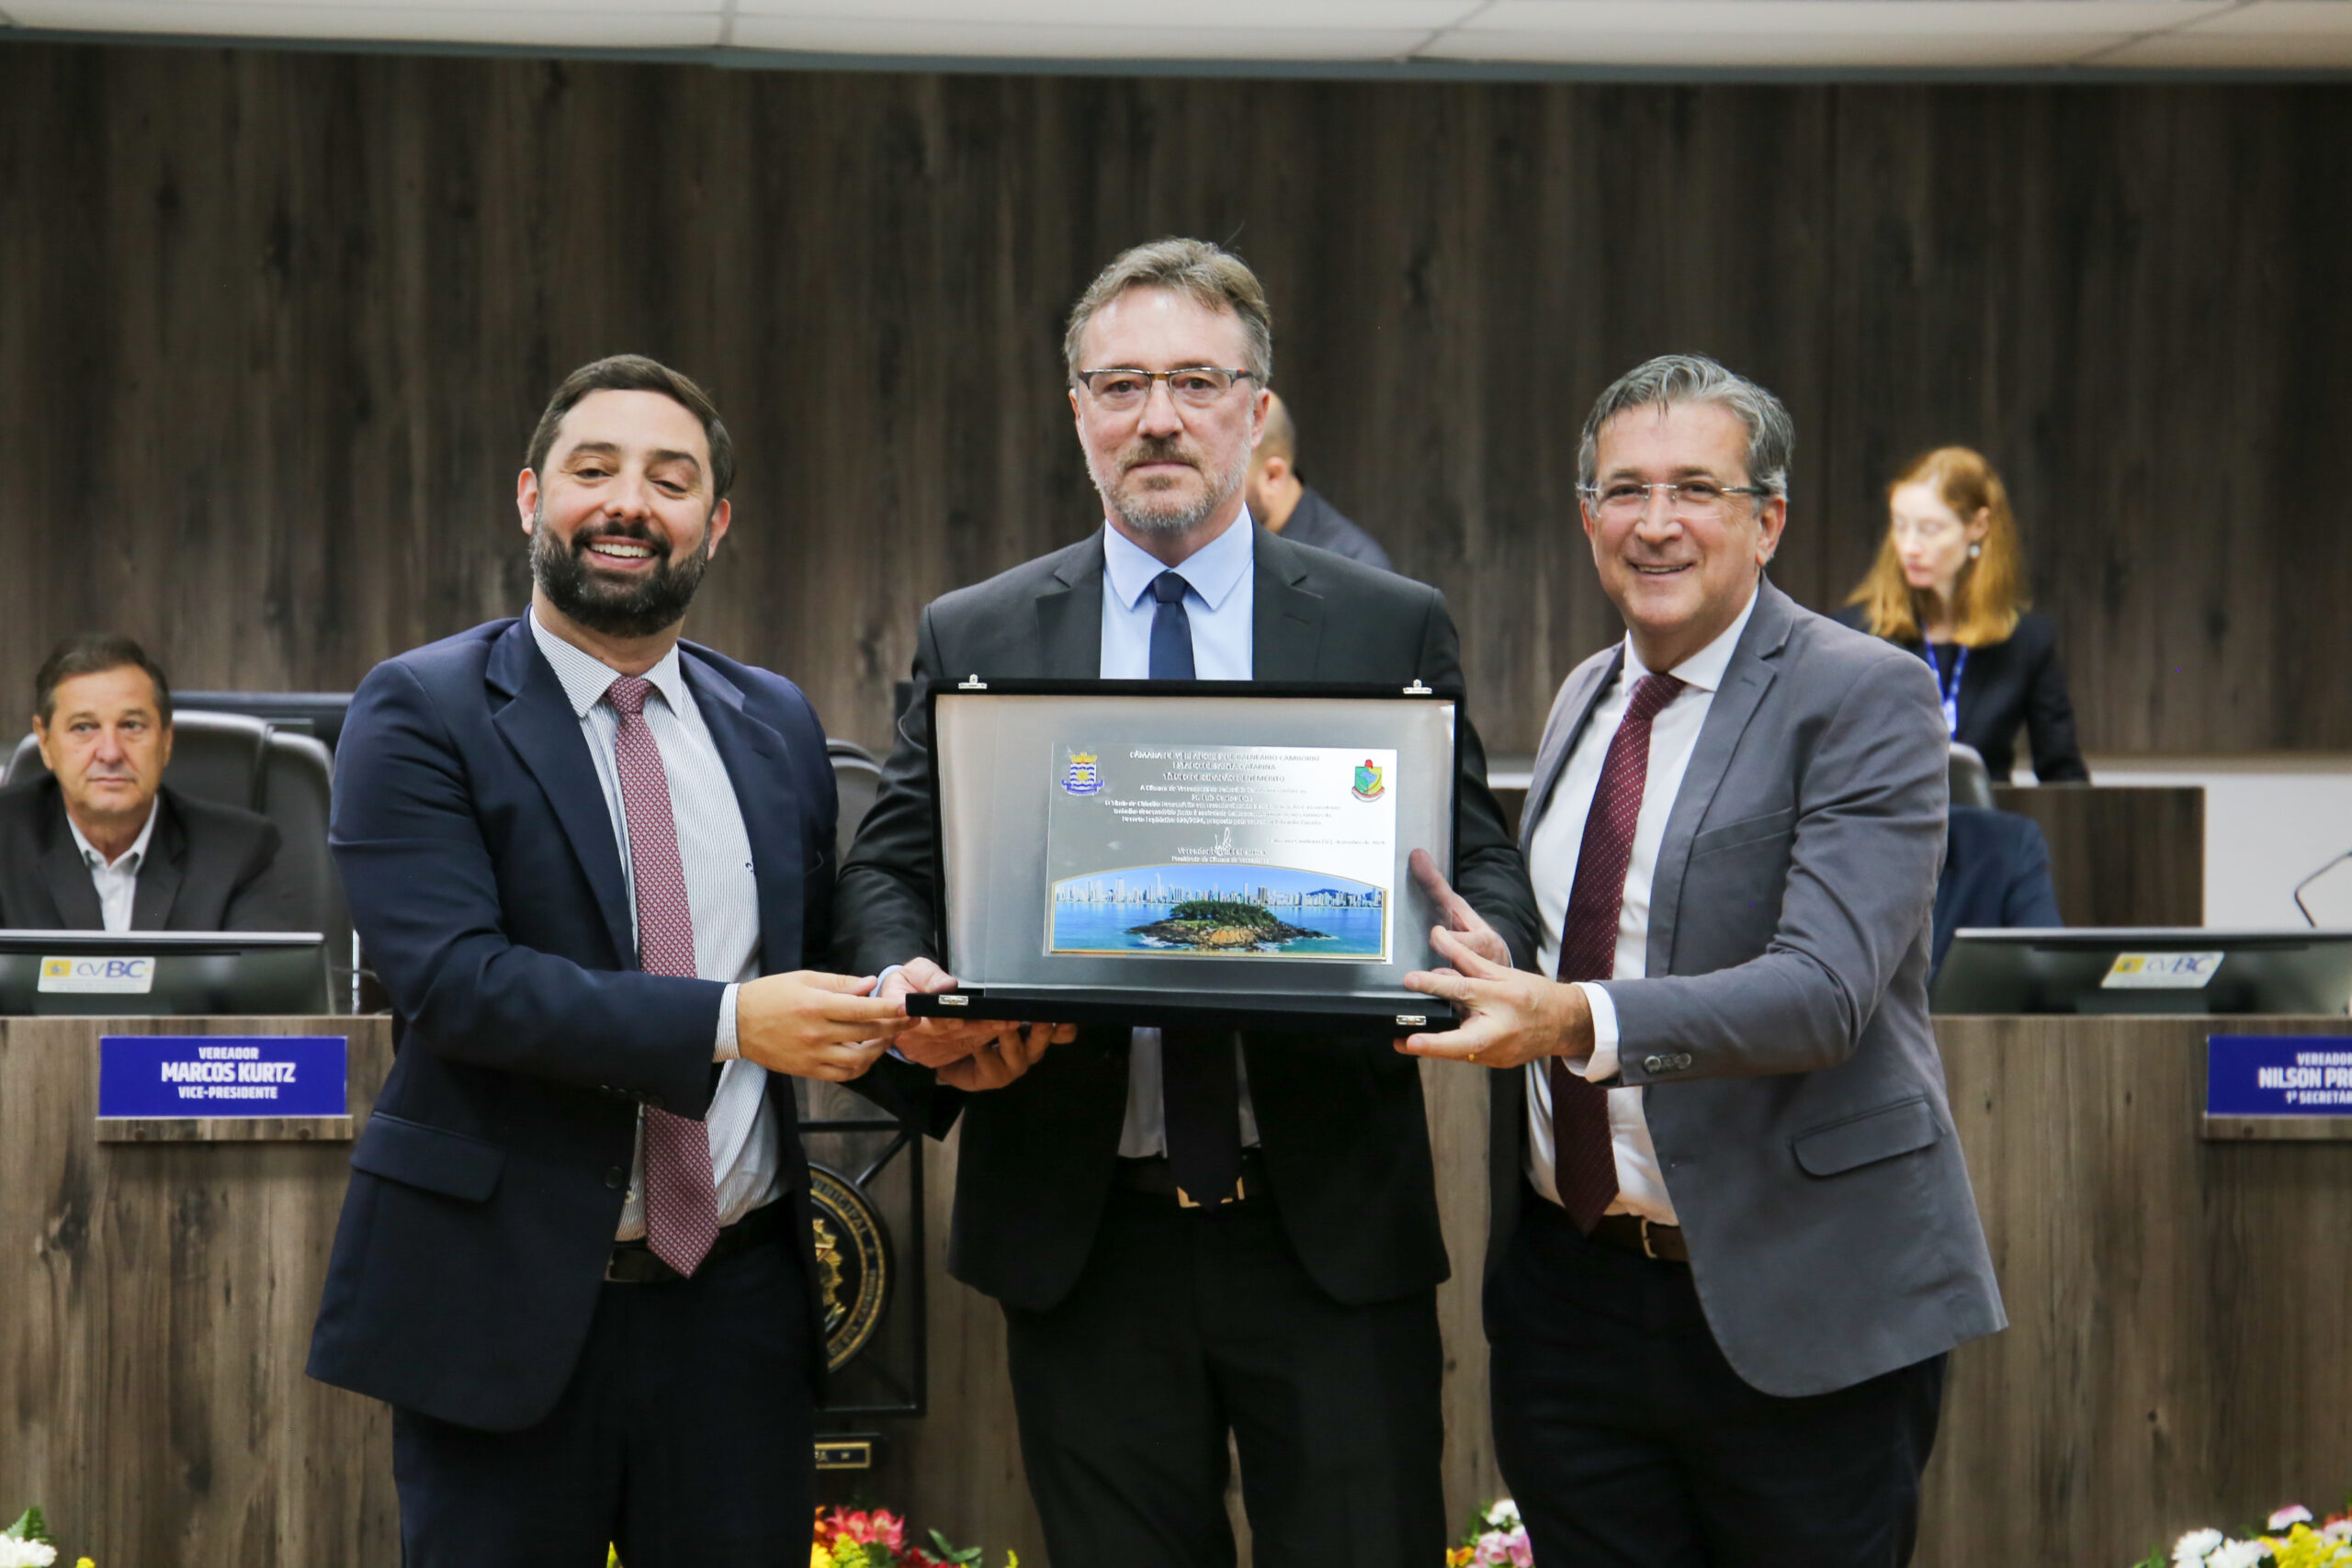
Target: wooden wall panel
x=276, y=327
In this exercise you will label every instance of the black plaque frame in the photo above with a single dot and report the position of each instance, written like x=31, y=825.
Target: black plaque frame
x=1190, y=1008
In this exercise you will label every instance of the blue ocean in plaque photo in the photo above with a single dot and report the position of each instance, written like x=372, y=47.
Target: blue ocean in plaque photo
x=1222, y=911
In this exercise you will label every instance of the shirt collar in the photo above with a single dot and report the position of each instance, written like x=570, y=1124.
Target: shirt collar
x=1213, y=572
x=586, y=678
x=132, y=858
x=1705, y=667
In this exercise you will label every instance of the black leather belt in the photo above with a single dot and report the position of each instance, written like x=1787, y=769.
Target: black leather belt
x=1156, y=1177
x=1631, y=1233
x=634, y=1263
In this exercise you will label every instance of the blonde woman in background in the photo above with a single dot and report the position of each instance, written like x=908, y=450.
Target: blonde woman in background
x=1949, y=585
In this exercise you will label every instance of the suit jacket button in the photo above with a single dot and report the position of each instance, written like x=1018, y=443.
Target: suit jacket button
x=616, y=1177
x=1682, y=1061
x=1654, y=1064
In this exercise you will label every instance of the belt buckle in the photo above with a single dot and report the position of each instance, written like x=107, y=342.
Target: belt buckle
x=1647, y=1250
x=1240, y=1192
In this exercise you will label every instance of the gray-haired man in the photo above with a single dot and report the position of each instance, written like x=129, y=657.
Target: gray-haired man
x=1731, y=1234
x=1194, y=1236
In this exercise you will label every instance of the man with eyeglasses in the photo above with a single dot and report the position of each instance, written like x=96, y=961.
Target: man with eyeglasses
x=1193, y=1235
x=1732, y=1238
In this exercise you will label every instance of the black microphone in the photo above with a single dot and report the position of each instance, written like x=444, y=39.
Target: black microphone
x=2314, y=876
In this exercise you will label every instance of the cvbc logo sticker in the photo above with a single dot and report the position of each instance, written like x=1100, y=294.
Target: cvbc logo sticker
x=120, y=975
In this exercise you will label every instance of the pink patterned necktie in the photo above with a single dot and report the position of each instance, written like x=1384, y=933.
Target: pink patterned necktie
x=681, y=1202
x=1584, y=1157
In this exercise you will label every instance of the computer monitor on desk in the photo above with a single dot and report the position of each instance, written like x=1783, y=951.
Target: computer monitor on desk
x=2148, y=969
x=162, y=973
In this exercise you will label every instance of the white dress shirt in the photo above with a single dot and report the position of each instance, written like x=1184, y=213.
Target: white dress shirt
x=722, y=894
x=117, y=882
x=1220, y=601
x=1552, y=865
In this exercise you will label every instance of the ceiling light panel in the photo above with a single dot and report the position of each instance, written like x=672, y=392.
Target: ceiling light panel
x=576, y=24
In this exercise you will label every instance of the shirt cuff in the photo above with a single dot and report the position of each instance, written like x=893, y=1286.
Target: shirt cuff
x=725, y=1051
x=880, y=981
x=1602, y=1064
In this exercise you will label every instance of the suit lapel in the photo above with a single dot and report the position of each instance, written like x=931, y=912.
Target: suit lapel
x=1287, y=619
x=67, y=875
x=1580, y=695
x=1069, y=619
x=1746, y=680
x=537, y=721
x=160, y=873
x=759, y=763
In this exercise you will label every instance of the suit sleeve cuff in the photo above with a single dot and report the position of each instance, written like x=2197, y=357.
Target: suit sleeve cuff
x=1602, y=1064
x=724, y=1049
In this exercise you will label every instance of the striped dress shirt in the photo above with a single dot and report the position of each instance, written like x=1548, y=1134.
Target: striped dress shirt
x=722, y=891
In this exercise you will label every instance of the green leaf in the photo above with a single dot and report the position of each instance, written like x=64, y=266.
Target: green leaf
x=947, y=1549
x=29, y=1526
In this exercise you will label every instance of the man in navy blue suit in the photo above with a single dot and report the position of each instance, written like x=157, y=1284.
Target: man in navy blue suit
x=587, y=860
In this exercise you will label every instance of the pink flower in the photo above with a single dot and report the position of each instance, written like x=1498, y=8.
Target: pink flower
x=1523, y=1555
x=2292, y=1514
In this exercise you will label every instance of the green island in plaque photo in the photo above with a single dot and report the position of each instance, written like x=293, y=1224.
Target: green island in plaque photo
x=1227, y=911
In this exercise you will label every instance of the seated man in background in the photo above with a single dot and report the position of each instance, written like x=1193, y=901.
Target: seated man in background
x=98, y=842
x=1288, y=505
x=1997, y=873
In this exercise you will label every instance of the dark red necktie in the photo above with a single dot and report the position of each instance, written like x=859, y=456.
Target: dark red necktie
x=1584, y=1160
x=681, y=1197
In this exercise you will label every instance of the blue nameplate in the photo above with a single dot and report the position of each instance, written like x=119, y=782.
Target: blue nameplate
x=222, y=1075
x=2278, y=1074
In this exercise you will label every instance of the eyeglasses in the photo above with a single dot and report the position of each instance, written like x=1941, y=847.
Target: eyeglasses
x=1119, y=390
x=1622, y=501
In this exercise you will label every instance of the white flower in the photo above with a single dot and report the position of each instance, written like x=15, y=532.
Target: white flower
x=2340, y=1531
x=2238, y=1554
x=2292, y=1514
x=1504, y=1514
x=2194, y=1547
x=25, y=1553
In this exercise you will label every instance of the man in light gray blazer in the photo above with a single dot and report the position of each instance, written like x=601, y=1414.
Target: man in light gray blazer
x=1733, y=1237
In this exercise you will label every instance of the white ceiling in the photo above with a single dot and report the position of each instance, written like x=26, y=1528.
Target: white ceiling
x=1717, y=35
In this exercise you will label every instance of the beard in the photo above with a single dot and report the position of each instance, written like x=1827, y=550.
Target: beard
x=1152, y=512
x=625, y=609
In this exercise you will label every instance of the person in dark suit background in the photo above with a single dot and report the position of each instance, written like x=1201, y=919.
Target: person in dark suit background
x=1733, y=1237
x=1995, y=873
x=1192, y=1235
x=1286, y=505
x=589, y=861
x=1949, y=584
x=99, y=842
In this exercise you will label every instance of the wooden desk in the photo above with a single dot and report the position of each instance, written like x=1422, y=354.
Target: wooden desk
x=2180, y=1340
x=158, y=1304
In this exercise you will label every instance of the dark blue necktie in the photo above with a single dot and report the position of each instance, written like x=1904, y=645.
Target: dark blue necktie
x=1200, y=1087
x=1171, y=629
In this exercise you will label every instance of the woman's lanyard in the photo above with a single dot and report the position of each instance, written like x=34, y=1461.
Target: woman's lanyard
x=1951, y=693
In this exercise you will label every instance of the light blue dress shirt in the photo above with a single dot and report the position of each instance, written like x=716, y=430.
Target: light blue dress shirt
x=1220, y=601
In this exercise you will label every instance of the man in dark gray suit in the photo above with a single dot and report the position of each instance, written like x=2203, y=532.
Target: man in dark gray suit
x=98, y=842
x=1732, y=1238
x=1286, y=504
x=1192, y=1235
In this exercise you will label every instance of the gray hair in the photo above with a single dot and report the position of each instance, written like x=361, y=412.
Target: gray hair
x=1672, y=378
x=1210, y=274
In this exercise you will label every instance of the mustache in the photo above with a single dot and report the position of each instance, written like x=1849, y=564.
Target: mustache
x=621, y=532
x=1158, y=449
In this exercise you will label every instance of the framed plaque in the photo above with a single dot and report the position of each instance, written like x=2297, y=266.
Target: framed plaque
x=1220, y=854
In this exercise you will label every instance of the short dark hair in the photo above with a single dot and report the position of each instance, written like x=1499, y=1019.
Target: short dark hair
x=95, y=653
x=635, y=373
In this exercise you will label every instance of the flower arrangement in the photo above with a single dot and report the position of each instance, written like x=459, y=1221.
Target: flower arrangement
x=877, y=1539
x=25, y=1544
x=1496, y=1537
x=2288, y=1540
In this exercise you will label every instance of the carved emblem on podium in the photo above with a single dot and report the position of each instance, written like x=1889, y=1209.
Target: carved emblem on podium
x=853, y=1264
